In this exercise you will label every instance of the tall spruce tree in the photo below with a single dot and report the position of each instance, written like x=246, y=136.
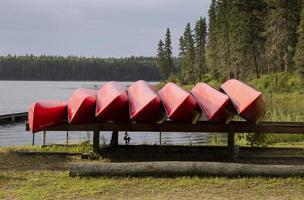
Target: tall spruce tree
x=181, y=53
x=161, y=59
x=200, y=33
x=234, y=36
x=224, y=38
x=181, y=56
x=212, y=42
x=245, y=34
x=168, y=54
x=281, y=25
x=299, y=54
x=189, y=56
x=256, y=12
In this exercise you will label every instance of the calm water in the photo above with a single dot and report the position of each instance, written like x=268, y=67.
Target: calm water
x=16, y=96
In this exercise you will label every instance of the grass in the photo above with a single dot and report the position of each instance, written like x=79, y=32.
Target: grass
x=289, y=144
x=51, y=148
x=46, y=177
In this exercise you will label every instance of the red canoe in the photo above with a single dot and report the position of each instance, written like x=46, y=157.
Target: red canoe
x=179, y=104
x=145, y=103
x=215, y=105
x=81, y=106
x=44, y=114
x=247, y=101
x=112, y=102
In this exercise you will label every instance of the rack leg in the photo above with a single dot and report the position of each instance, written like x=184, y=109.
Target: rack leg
x=43, y=138
x=232, y=149
x=231, y=144
x=67, y=137
x=33, y=139
x=160, y=135
x=114, y=139
x=96, y=141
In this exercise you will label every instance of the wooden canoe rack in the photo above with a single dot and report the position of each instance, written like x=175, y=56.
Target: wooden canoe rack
x=170, y=126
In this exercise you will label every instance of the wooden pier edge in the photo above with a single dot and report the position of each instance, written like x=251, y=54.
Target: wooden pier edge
x=13, y=117
x=183, y=169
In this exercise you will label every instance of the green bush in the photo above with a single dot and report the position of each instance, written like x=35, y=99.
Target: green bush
x=254, y=139
x=284, y=82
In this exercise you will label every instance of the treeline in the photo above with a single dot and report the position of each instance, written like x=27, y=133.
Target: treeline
x=244, y=40
x=78, y=68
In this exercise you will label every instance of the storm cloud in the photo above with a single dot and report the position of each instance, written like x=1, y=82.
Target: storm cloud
x=106, y=28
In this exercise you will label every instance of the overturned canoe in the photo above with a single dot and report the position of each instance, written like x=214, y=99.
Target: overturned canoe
x=247, y=101
x=81, y=106
x=215, y=105
x=179, y=104
x=44, y=114
x=112, y=102
x=145, y=103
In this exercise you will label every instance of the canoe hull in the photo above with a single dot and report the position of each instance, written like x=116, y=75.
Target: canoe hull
x=215, y=105
x=247, y=101
x=112, y=102
x=255, y=111
x=44, y=114
x=81, y=106
x=144, y=103
x=179, y=104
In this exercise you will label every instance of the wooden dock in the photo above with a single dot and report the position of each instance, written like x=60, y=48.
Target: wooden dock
x=13, y=117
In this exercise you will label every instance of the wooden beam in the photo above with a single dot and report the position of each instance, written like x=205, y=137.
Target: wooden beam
x=201, y=126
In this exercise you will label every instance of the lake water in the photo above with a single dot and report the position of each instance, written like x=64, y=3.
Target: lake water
x=16, y=96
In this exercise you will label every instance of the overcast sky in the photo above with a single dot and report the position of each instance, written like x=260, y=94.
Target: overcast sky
x=105, y=28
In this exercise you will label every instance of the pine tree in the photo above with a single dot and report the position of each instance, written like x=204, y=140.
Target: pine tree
x=299, y=54
x=237, y=37
x=224, y=41
x=245, y=34
x=256, y=12
x=168, y=54
x=235, y=45
x=181, y=56
x=281, y=25
x=189, y=57
x=212, y=43
x=161, y=60
x=200, y=45
x=181, y=53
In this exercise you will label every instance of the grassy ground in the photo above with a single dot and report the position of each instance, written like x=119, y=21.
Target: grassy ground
x=46, y=177
x=50, y=148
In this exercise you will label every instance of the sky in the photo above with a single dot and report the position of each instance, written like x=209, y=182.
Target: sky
x=103, y=28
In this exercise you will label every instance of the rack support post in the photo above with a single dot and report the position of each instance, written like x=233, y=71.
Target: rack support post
x=114, y=139
x=96, y=136
x=233, y=151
